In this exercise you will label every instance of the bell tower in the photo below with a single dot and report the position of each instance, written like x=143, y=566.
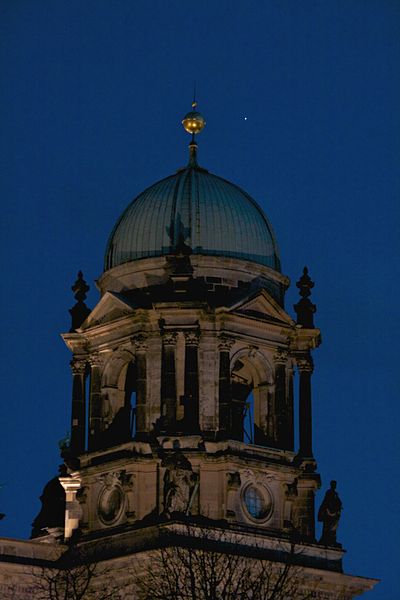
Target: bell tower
x=185, y=380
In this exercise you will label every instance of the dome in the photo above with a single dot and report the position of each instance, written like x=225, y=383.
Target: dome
x=193, y=209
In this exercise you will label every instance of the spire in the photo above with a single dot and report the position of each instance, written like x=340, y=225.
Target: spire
x=305, y=309
x=79, y=311
x=193, y=122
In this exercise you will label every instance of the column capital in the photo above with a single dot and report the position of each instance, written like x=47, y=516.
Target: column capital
x=78, y=366
x=96, y=360
x=169, y=337
x=70, y=484
x=281, y=356
x=192, y=337
x=305, y=363
x=139, y=342
x=225, y=343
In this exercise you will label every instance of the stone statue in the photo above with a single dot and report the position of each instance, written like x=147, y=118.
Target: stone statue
x=329, y=514
x=52, y=513
x=179, y=482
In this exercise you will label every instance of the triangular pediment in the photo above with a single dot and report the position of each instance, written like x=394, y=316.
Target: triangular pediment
x=262, y=306
x=111, y=307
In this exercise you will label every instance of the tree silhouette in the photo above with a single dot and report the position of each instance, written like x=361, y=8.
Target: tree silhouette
x=88, y=581
x=212, y=567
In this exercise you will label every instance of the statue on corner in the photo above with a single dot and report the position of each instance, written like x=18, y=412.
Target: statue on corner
x=329, y=514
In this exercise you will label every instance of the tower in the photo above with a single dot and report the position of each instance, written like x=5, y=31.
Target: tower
x=185, y=377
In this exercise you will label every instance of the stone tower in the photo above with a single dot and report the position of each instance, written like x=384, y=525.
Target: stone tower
x=185, y=379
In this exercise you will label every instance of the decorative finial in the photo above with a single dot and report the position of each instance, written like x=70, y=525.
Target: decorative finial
x=193, y=122
x=80, y=311
x=80, y=288
x=305, y=284
x=305, y=309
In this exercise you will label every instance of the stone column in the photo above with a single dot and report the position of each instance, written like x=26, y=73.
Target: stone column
x=280, y=399
x=224, y=347
x=191, y=415
x=141, y=387
x=289, y=442
x=95, y=405
x=305, y=367
x=78, y=414
x=271, y=416
x=168, y=381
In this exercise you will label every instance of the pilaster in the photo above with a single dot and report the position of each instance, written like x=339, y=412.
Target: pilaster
x=95, y=402
x=140, y=345
x=168, y=380
x=73, y=510
x=281, y=420
x=78, y=412
x=224, y=346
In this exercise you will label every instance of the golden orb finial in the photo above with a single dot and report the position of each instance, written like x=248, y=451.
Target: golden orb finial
x=193, y=121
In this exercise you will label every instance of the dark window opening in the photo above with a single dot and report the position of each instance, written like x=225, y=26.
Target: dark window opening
x=249, y=404
x=123, y=426
x=248, y=421
x=240, y=414
x=130, y=402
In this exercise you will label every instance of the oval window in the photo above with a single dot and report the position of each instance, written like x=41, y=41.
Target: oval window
x=257, y=502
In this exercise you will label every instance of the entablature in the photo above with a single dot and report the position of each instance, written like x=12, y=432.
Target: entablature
x=302, y=339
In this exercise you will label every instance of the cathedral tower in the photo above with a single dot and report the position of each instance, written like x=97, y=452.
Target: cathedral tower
x=185, y=377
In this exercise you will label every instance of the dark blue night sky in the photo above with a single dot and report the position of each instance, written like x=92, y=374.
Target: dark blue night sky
x=302, y=107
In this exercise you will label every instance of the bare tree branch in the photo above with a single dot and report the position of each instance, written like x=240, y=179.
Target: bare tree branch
x=89, y=581
x=213, y=570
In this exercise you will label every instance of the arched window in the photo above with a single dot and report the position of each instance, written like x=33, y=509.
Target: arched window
x=121, y=406
x=249, y=399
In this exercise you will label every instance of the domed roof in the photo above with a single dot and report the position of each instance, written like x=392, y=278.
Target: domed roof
x=207, y=213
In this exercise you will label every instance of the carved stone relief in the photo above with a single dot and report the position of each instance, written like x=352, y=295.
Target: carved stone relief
x=111, y=499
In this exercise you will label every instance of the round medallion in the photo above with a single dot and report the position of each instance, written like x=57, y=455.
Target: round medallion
x=111, y=504
x=257, y=502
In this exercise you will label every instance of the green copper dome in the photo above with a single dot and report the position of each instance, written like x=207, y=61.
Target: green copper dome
x=209, y=214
